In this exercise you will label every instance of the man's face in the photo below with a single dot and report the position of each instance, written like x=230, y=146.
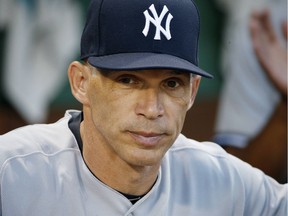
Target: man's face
x=139, y=114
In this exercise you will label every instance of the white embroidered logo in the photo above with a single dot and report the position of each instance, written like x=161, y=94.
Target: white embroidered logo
x=156, y=20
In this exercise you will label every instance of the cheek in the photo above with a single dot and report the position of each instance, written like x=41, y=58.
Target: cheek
x=176, y=110
x=107, y=104
x=180, y=105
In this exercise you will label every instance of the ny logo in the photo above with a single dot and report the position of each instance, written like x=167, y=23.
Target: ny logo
x=157, y=20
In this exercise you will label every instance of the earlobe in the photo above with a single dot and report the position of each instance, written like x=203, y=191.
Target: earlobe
x=77, y=73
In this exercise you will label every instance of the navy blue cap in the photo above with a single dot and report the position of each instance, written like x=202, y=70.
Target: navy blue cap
x=142, y=34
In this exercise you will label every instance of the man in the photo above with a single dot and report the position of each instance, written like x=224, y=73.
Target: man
x=124, y=154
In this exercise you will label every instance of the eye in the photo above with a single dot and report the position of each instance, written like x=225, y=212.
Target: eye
x=127, y=80
x=172, y=83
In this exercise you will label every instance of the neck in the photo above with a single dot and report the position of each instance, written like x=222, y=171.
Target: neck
x=111, y=170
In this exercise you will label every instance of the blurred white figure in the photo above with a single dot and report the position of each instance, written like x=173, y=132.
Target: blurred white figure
x=42, y=36
x=248, y=97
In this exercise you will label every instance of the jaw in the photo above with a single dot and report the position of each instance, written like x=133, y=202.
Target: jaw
x=121, y=174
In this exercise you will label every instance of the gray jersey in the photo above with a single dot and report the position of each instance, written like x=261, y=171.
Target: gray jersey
x=42, y=172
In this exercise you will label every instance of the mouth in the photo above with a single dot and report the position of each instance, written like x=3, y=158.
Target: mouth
x=147, y=139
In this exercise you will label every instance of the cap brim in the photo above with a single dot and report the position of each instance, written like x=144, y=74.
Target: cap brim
x=142, y=61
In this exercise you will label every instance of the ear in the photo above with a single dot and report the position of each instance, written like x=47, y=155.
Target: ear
x=78, y=77
x=195, y=86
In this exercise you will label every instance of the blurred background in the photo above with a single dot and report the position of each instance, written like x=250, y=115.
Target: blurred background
x=39, y=38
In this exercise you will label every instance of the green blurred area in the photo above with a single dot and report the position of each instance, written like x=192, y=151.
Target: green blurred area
x=209, y=56
x=210, y=46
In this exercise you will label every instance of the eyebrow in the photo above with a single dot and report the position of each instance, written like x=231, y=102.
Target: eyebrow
x=178, y=72
x=171, y=72
x=102, y=70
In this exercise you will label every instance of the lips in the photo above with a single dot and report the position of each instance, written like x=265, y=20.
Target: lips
x=148, y=139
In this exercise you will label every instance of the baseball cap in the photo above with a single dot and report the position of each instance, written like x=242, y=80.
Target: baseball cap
x=142, y=34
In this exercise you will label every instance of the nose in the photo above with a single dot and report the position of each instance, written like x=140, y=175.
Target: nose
x=150, y=104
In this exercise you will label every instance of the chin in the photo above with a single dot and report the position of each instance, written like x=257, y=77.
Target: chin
x=146, y=159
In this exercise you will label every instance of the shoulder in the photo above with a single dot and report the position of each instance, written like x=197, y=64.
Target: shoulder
x=189, y=146
x=208, y=158
x=207, y=171
x=44, y=138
